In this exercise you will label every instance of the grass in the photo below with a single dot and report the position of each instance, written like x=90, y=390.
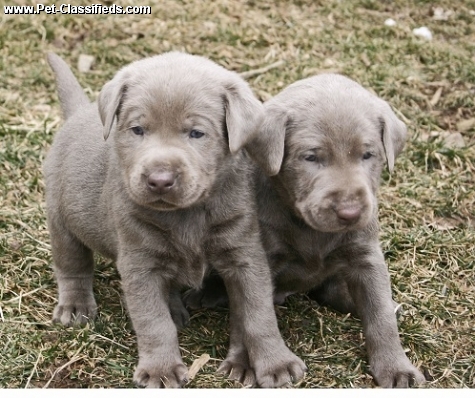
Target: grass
x=427, y=206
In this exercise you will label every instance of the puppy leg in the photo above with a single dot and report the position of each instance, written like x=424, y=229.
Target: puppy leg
x=370, y=288
x=253, y=322
x=334, y=293
x=236, y=365
x=178, y=311
x=73, y=268
x=211, y=295
x=147, y=296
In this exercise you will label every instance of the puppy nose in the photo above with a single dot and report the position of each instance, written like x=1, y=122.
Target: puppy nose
x=161, y=181
x=349, y=213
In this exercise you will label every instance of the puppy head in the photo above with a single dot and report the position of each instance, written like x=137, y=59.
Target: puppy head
x=175, y=120
x=327, y=140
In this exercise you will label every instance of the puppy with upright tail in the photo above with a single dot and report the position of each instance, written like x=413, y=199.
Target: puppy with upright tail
x=153, y=176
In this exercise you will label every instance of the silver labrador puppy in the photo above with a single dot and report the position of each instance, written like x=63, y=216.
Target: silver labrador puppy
x=325, y=141
x=166, y=196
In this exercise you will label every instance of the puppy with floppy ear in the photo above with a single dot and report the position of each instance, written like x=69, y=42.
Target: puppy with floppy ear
x=267, y=148
x=166, y=192
x=109, y=100
x=326, y=139
x=240, y=111
x=394, y=134
x=324, y=142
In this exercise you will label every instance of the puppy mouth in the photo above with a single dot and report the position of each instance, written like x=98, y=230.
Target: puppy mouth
x=334, y=226
x=154, y=201
x=163, y=202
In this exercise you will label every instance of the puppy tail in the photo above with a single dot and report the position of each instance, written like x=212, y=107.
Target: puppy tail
x=71, y=95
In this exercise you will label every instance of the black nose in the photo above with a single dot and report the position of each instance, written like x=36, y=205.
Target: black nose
x=161, y=181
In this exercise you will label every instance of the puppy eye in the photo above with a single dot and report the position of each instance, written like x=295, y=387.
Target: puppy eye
x=367, y=155
x=310, y=158
x=137, y=130
x=196, y=134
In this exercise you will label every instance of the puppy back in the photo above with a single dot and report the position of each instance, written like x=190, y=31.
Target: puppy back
x=71, y=95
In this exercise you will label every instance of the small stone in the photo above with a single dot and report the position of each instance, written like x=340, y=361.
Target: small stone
x=14, y=244
x=466, y=125
x=442, y=15
x=390, y=22
x=264, y=95
x=423, y=32
x=454, y=140
x=85, y=63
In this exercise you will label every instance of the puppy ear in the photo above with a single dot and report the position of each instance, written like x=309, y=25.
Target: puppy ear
x=393, y=135
x=244, y=113
x=267, y=147
x=109, y=101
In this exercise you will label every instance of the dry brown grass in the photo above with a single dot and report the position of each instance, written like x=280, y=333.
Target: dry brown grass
x=427, y=206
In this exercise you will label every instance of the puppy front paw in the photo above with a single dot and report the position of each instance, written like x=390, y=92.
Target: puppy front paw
x=151, y=374
x=278, y=369
x=390, y=373
x=75, y=311
x=236, y=367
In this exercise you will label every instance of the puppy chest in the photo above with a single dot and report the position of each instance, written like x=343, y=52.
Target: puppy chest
x=191, y=270
x=185, y=257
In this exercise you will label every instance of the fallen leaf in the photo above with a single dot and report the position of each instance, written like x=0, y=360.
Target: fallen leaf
x=197, y=365
x=365, y=60
x=436, y=97
x=444, y=224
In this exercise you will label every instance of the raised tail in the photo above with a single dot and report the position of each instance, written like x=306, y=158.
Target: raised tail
x=71, y=94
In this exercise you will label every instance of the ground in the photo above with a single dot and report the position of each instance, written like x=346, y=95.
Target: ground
x=426, y=205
